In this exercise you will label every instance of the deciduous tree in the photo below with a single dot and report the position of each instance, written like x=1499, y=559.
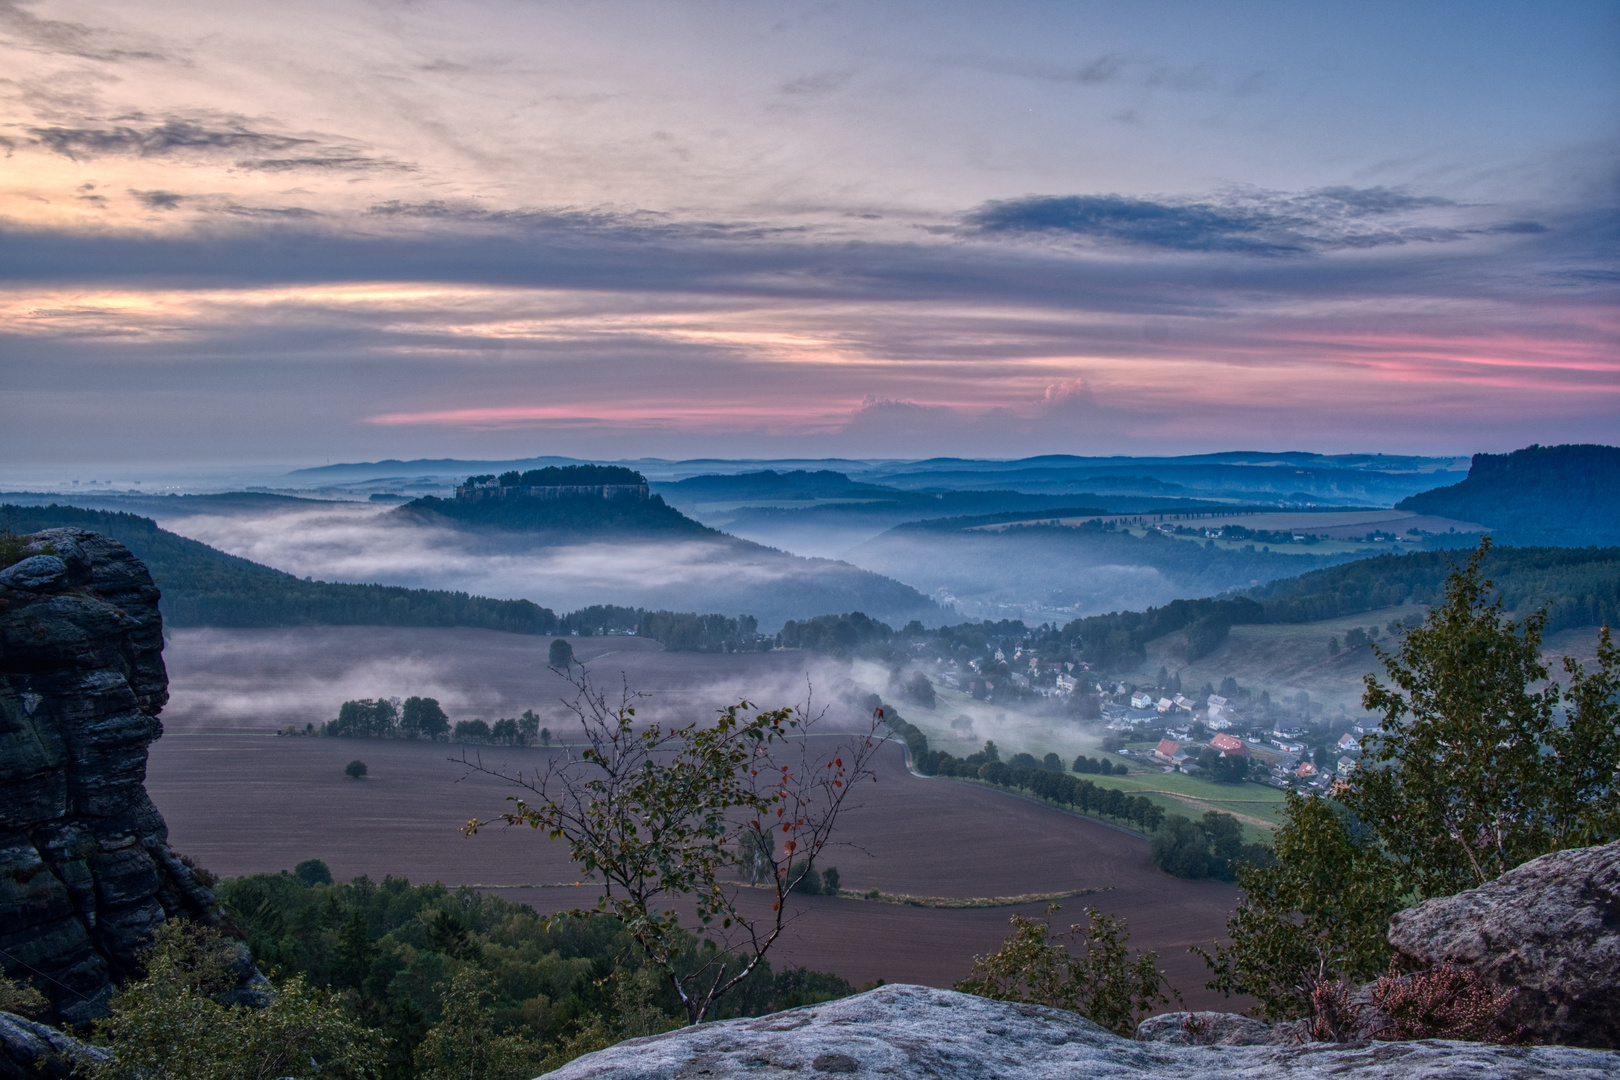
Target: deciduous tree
x=654, y=812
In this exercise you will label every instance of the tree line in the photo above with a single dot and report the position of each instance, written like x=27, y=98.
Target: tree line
x=1043, y=778
x=1578, y=586
x=423, y=718
x=566, y=476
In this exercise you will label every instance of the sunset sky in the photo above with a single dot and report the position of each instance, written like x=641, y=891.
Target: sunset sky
x=295, y=231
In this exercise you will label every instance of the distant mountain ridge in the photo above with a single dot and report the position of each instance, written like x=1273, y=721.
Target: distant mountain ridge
x=1567, y=496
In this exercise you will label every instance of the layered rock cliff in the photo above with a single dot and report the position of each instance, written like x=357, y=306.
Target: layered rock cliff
x=86, y=872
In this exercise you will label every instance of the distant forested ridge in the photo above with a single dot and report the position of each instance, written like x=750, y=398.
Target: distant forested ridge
x=1564, y=495
x=206, y=587
x=567, y=475
x=1578, y=586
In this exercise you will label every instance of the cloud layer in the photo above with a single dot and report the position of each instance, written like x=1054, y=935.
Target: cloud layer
x=487, y=230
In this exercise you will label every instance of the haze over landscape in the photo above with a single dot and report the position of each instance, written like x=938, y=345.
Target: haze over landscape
x=1096, y=389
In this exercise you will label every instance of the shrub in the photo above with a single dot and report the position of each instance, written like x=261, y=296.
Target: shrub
x=1211, y=847
x=918, y=689
x=312, y=872
x=172, y=1025
x=560, y=655
x=829, y=881
x=808, y=883
x=355, y=769
x=21, y=998
x=1102, y=984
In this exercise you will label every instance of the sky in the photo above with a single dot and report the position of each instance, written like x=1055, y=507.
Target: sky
x=302, y=232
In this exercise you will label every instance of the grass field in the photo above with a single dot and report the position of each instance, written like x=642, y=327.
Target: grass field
x=1283, y=658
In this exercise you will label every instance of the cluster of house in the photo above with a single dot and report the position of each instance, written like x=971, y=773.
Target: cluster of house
x=1062, y=685
x=1293, y=771
x=1146, y=710
x=1177, y=755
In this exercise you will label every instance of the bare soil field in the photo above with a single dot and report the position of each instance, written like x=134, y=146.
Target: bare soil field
x=243, y=803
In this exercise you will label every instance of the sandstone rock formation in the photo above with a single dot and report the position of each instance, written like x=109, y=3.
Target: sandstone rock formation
x=915, y=1032
x=86, y=873
x=1550, y=928
x=30, y=1051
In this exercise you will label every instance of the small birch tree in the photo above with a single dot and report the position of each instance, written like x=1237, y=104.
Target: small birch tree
x=659, y=812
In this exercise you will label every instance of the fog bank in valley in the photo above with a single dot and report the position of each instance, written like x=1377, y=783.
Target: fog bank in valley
x=362, y=543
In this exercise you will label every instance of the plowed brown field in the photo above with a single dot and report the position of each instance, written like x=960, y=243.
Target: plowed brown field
x=243, y=803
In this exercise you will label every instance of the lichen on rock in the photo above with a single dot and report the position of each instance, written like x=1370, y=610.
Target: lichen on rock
x=919, y=1033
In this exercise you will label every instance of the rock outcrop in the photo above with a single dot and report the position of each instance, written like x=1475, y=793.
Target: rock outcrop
x=86, y=872
x=1549, y=929
x=915, y=1032
x=1215, y=1029
x=30, y=1051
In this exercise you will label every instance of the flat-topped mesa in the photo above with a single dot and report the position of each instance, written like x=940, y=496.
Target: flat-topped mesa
x=86, y=872
x=552, y=482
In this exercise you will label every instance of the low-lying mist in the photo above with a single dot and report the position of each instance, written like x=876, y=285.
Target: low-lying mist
x=359, y=543
x=1055, y=573
x=262, y=680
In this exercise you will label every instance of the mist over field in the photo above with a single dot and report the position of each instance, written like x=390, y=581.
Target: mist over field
x=259, y=680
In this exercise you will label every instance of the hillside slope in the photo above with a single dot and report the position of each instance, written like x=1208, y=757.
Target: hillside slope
x=645, y=553
x=1577, y=586
x=205, y=587
x=1040, y=573
x=1560, y=495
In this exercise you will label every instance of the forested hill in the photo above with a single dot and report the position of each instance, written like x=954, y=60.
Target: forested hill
x=1565, y=495
x=567, y=517
x=1578, y=586
x=205, y=587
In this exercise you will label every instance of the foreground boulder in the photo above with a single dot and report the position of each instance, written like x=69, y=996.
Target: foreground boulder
x=916, y=1032
x=30, y=1051
x=1549, y=929
x=86, y=872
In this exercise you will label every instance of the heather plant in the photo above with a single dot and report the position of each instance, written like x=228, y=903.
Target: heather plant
x=1446, y=1002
